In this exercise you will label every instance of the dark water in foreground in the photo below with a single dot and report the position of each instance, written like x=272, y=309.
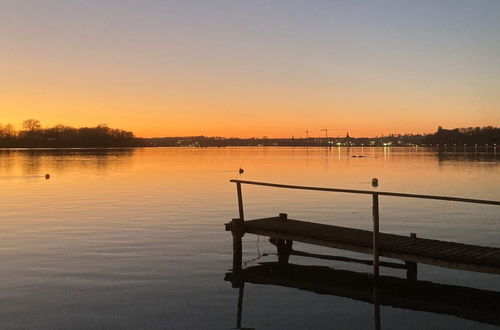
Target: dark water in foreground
x=134, y=238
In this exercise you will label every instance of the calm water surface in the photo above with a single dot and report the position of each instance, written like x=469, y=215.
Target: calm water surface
x=134, y=238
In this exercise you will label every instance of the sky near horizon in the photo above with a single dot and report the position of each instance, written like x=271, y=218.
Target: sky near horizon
x=251, y=68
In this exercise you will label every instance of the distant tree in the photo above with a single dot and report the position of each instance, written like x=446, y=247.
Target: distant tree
x=31, y=124
x=8, y=130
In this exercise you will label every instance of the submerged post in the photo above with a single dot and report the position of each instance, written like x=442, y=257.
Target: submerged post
x=375, y=213
x=240, y=200
x=376, y=304
x=284, y=247
x=237, y=230
x=240, y=305
x=411, y=267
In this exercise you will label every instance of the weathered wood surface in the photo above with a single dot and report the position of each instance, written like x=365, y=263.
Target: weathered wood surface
x=419, y=250
x=468, y=303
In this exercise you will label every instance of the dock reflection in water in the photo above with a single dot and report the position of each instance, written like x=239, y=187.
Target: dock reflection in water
x=132, y=238
x=467, y=303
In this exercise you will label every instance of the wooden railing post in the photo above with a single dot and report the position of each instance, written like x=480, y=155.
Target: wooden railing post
x=240, y=200
x=375, y=212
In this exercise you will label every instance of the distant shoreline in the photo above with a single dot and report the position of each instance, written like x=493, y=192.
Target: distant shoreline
x=437, y=148
x=60, y=136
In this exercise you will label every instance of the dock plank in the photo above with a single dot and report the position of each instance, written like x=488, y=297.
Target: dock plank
x=420, y=250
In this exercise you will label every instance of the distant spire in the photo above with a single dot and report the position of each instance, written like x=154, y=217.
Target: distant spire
x=347, y=136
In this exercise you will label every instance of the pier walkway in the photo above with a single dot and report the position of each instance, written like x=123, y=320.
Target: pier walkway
x=410, y=249
x=419, y=250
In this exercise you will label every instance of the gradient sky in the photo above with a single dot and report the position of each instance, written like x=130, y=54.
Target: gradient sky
x=251, y=68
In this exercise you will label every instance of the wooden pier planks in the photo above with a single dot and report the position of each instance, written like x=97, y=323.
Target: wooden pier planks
x=420, y=250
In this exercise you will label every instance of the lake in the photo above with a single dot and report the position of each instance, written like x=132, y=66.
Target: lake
x=134, y=238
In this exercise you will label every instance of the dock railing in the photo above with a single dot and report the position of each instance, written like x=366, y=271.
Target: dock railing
x=375, y=205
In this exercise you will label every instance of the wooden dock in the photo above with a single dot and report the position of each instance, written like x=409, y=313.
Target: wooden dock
x=419, y=250
x=410, y=249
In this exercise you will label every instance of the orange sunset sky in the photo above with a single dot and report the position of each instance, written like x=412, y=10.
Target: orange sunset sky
x=251, y=68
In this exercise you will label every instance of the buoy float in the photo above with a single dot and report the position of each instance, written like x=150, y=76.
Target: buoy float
x=375, y=182
x=47, y=176
x=241, y=170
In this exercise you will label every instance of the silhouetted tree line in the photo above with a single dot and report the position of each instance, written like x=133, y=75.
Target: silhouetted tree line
x=469, y=135
x=33, y=135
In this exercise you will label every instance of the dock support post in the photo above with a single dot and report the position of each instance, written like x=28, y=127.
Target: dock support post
x=237, y=230
x=284, y=247
x=411, y=267
x=375, y=212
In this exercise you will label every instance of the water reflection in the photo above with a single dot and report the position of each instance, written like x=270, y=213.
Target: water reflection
x=133, y=238
x=32, y=162
x=467, y=156
x=467, y=303
x=24, y=162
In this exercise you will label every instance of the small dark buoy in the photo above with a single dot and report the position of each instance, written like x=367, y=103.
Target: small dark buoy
x=47, y=176
x=374, y=182
x=241, y=170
